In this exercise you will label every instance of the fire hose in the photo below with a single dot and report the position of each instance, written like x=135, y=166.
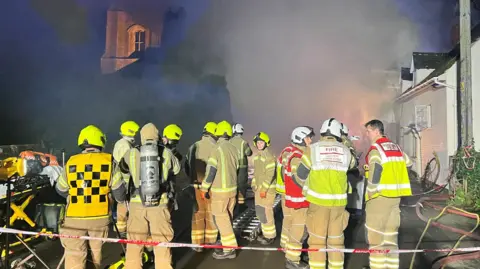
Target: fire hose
x=442, y=262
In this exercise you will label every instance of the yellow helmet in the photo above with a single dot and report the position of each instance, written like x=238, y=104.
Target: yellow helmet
x=129, y=128
x=210, y=128
x=172, y=132
x=223, y=129
x=263, y=137
x=91, y=136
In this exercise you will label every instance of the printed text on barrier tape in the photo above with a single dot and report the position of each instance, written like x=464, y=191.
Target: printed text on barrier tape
x=187, y=245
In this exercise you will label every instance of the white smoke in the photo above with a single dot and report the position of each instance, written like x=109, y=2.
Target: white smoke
x=300, y=62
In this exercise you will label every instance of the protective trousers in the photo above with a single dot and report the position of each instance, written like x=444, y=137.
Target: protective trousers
x=142, y=220
x=76, y=249
x=382, y=223
x=242, y=174
x=325, y=227
x=297, y=232
x=204, y=230
x=222, y=210
x=287, y=220
x=264, y=210
x=122, y=217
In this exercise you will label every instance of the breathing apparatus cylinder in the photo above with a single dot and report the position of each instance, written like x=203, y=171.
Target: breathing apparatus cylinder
x=150, y=189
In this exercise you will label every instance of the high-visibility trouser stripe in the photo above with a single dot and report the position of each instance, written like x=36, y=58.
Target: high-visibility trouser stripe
x=269, y=231
x=229, y=240
x=211, y=234
x=326, y=196
x=283, y=239
x=292, y=254
x=377, y=263
x=382, y=233
x=392, y=262
x=317, y=265
x=288, y=173
x=335, y=264
x=295, y=199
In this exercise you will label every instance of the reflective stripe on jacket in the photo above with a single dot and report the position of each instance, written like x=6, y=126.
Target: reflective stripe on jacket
x=293, y=191
x=264, y=171
x=328, y=161
x=221, y=174
x=394, y=180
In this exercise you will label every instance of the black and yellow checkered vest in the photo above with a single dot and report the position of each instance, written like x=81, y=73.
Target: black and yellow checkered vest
x=88, y=175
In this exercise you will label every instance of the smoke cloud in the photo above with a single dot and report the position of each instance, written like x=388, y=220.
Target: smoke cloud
x=290, y=63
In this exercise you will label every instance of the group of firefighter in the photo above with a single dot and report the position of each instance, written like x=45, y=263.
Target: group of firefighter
x=310, y=177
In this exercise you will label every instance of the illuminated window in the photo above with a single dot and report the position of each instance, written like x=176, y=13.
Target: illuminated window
x=140, y=41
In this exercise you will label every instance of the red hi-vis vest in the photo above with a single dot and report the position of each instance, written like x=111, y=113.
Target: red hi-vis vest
x=386, y=148
x=293, y=193
x=394, y=181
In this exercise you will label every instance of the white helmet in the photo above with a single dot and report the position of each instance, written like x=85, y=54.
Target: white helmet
x=237, y=128
x=344, y=129
x=331, y=127
x=300, y=133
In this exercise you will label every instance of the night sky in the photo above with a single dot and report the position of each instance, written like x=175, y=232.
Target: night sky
x=45, y=41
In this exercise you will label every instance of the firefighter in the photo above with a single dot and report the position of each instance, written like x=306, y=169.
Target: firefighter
x=149, y=167
x=128, y=130
x=244, y=151
x=220, y=185
x=263, y=185
x=295, y=202
x=86, y=183
x=280, y=187
x=170, y=138
x=204, y=230
x=388, y=181
x=324, y=167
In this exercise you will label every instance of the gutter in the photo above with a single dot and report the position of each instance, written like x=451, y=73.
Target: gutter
x=434, y=83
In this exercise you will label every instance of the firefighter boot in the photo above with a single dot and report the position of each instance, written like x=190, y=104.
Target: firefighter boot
x=296, y=265
x=220, y=254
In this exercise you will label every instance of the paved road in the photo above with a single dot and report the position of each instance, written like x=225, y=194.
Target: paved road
x=410, y=232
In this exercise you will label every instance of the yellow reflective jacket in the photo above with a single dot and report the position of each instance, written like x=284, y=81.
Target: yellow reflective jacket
x=328, y=161
x=264, y=171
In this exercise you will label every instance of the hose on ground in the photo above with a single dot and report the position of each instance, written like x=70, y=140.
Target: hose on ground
x=434, y=222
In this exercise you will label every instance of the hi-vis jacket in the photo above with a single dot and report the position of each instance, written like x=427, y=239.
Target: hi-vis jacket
x=264, y=171
x=197, y=158
x=388, y=175
x=121, y=147
x=86, y=183
x=293, y=185
x=244, y=150
x=221, y=171
x=326, y=163
x=130, y=164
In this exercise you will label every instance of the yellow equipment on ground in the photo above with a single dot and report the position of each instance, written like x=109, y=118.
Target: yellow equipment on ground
x=23, y=175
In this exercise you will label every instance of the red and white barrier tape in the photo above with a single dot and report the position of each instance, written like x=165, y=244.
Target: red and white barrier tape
x=187, y=245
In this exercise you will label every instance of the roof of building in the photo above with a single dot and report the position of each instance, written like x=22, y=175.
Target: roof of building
x=453, y=56
x=405, y=74
x=428, y=60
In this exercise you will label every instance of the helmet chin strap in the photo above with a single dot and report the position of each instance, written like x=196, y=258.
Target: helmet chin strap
x=129, y=139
